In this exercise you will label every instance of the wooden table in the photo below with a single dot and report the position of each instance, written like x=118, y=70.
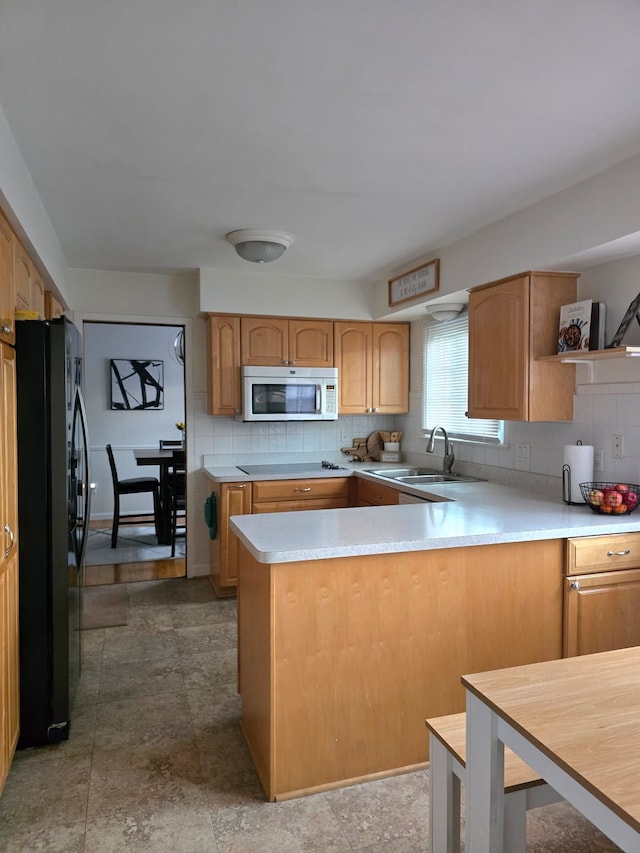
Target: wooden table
x=164, y=460
x=576, y=722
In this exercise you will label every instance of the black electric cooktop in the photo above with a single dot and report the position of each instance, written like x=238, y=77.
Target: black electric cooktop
x=290, y=468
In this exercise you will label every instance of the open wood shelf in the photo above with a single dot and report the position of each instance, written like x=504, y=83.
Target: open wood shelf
x=593, y=355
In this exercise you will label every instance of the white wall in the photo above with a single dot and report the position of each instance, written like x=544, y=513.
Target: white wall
x=22, y=205
x=125, y=430
x=260, y=291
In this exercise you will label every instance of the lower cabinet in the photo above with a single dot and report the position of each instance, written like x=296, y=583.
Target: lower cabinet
x=232, y=499
x=293, y=495
x=368, y=493
x=602, y=594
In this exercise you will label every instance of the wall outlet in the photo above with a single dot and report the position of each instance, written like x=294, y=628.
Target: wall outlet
x=344, y=434
x=523, y=457
x=617, y=446
x=598, y=460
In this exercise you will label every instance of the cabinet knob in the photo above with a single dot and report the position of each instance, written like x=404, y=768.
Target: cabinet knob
x=368, y=408
x=12, y=540
x=619, y=553
x=575, y=585
x=376, y=409
x=6, y=329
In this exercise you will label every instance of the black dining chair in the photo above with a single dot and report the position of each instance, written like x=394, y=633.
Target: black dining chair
x=131, y=486
x=177, y=490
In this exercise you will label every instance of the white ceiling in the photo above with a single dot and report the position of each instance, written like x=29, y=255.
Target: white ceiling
x=374, y=131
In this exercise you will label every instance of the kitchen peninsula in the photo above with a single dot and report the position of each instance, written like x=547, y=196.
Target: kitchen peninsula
x=356, y=624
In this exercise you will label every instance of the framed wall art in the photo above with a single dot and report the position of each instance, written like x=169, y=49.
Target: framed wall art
x=632, y=311
x=137, y=384
x=418, y=282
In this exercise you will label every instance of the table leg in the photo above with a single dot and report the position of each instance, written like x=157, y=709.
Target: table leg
x=164, y=524
x=444, y=800
x=485, y=780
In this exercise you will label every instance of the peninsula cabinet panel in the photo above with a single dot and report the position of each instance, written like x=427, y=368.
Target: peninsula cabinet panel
x=373, y=367
x=7, y=283
x=601, y=612
x=224, y=365
x=360, y=650
x=512, y=323
x=232, y=499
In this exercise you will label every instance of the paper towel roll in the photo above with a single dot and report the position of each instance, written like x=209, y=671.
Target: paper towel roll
x=577, y=468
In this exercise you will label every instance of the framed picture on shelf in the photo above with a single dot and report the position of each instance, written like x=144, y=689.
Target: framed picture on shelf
x=418, y=282
x=632, y=311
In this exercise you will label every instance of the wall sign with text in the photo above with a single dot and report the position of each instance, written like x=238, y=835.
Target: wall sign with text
x=415, y=284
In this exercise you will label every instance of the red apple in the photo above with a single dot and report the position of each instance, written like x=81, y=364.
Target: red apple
x=621, y=487
x=631, y=499
x=612, y=499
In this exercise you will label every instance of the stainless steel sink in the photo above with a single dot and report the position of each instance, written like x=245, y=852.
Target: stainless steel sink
x=422, y=476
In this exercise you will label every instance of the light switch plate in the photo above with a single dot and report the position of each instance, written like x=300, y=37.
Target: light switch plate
x=523, y=457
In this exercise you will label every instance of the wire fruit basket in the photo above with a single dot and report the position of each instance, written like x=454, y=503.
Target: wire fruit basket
x=611, y=498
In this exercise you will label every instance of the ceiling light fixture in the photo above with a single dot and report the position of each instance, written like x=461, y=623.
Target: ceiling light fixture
x=259, y=247
x=445, y=310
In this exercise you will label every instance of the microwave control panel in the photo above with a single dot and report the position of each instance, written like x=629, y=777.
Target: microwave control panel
x=331, y=399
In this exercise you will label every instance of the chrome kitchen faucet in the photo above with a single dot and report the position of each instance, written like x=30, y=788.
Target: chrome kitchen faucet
x=449, y=455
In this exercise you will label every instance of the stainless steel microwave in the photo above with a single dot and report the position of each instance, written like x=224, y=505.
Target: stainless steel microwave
x=289, y=394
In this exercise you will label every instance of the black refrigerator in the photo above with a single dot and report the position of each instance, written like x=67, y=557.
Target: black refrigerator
x=53, y=514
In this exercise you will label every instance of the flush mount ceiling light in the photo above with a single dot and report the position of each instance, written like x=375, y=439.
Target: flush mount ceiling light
x=259, y=247
x=445, y=310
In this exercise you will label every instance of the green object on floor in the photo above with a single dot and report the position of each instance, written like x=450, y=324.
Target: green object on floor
x=211, y=515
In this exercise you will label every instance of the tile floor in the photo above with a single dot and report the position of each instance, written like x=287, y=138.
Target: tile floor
x=156, y=761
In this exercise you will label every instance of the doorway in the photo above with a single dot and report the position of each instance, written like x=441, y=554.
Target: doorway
x=134, y=378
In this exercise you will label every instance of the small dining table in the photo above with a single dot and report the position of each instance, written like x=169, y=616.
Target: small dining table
x=165, y=460
x=576, y=722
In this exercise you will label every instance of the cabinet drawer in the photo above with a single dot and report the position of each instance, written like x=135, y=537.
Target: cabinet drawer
x=296, y=490
x=298, y=505
x=603, y=553
x=376, y=494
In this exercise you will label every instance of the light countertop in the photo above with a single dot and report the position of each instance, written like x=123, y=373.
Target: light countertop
x=480, y=513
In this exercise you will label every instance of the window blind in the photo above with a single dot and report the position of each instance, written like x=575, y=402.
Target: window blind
x=445, y=383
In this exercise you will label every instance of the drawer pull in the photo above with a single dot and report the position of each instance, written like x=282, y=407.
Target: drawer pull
x=619, y=553
x=306, y=489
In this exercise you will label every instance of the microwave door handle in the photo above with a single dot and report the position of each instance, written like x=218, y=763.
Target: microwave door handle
x=318, y=397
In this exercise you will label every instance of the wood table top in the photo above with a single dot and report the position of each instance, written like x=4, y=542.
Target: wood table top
x=584, y=713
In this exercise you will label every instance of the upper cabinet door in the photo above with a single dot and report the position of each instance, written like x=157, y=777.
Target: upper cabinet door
x=22, y=270
x=353, y=348
x=498, y=350
x=311, y=343
x=390, y=368
x=7, y=283
x=265, y=341
x=224, y=365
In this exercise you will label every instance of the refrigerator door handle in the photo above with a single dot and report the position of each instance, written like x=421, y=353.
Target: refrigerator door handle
x=83, y=490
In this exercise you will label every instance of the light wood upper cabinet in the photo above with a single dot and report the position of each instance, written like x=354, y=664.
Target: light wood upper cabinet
x=37, y=292
x=7, y=283
x=52, y=308
x=373, y=367
x=512, y=323
x=311, y=343
x=9, y=661
x=273, y=341
x=22, y=270
x=224, y=365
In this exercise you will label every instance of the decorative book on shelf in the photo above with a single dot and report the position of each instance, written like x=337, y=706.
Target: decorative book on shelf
x=581, y=326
